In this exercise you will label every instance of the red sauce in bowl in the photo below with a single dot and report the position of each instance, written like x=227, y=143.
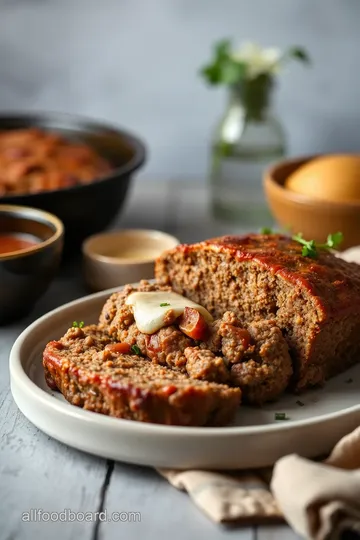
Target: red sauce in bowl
x=13, y=242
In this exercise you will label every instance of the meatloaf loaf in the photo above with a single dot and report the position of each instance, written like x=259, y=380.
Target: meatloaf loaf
x=314, y=301
x=87, y=366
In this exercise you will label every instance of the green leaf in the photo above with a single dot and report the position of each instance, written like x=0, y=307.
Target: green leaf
x=298, y=237
x=224, y=148
x=232, y=72
x=298, y=53
x=223, y=69
x=211, y=74
x=222, y=48
x=310, y=247
x=266, y=230
x=305, y=251
x=75, y=324
x=334, y=240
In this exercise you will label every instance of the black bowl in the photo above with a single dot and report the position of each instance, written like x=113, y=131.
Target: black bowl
x=26, y=274
x=90, y=208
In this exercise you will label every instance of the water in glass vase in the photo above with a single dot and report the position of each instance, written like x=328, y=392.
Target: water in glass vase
x=247, y=140
x=237, y=193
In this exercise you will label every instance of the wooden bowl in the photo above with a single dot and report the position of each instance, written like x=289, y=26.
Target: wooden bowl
x=313, y=217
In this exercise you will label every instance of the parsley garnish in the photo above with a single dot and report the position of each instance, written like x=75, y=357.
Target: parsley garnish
x=135, y=349
x=76, y=324
x=163, y=304
x=269, y=230
x=281, y=416
x=310, y=247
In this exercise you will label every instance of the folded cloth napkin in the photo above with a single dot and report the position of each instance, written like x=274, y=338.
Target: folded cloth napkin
x=320, y=501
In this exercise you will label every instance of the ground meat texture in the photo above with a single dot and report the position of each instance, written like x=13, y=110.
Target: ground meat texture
x=228, y=344
x=235, y=341
x=315, y=302
x=128, y=334
x=96, y=378
x=203, y=364
x=167, y=347
x=213, y=342
x=264, y=373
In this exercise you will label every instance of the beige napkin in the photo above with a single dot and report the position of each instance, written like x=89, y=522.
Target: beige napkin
x=319, y=500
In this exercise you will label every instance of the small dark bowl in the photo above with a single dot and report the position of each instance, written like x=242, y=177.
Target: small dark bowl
x=84, y=209
x=26, y=274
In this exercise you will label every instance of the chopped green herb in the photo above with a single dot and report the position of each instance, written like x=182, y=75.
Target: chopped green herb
x=281, y=416
x=300, y=403
x=349, y=381
x=283, y=230
x=135, y=349
x=164, y=304
x=334, y=240
x=310, y=247
x=76, y=324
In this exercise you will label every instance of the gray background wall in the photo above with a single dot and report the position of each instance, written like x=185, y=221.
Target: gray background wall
x=134, y=62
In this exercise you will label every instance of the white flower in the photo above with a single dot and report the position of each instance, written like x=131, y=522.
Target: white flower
x=258, y=60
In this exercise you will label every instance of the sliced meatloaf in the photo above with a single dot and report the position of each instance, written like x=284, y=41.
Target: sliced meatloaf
x=88, y=369
x=315, y=302
x=255, y=358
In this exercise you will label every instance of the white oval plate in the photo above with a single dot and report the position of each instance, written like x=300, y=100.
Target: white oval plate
x=317, y=419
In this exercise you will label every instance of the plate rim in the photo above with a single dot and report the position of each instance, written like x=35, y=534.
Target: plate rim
x=19, y=376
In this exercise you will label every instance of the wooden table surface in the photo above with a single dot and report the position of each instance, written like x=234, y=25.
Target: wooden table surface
x=39, y=473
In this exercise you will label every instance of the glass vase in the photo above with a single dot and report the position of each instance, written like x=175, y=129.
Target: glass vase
x=248, y=138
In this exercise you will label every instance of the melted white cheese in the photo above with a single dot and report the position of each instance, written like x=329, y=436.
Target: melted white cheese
x=149, y=309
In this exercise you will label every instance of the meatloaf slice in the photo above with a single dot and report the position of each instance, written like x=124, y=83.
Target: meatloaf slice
x=87, y=369
x=255, y=359
x=315, y=302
